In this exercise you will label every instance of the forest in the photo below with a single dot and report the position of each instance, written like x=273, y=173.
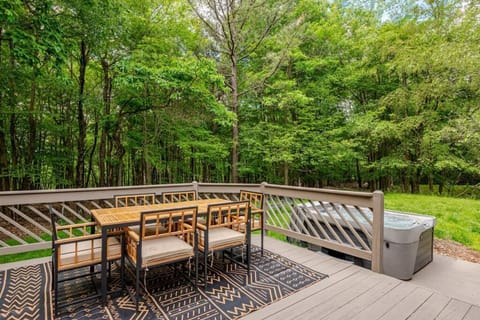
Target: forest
x=363, y=94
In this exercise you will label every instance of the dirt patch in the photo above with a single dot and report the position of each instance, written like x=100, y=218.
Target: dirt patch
x=455, y=250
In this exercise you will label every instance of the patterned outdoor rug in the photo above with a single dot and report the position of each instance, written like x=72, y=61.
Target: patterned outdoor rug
x=25, y=292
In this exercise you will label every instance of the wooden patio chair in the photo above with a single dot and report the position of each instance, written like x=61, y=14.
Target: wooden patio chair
x=75, y=246
x=256, y=206
x=221, y=231
x=179, y=196
x=128, y=200
x=172, y=240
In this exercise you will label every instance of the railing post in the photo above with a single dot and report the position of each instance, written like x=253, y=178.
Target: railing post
x=195, y=187
x=265, y=209
x=377, y=236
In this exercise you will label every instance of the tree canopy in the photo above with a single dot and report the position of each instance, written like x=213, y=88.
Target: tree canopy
x=316, y=93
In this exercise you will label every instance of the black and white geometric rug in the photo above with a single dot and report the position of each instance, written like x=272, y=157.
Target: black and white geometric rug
x=26, y=292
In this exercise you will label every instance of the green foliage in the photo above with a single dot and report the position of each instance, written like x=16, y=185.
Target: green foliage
x=383, y=95
x=7, y=258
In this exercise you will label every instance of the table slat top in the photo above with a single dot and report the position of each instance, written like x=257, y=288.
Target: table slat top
x=130, y=215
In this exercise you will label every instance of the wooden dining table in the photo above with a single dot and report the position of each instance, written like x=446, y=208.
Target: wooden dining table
x=111, y=218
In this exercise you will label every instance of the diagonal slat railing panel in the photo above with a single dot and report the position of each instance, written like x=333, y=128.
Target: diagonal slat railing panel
x=318, y=225
x=359, y=226
x=39, y=213
x=307, y=220
x=96, y=205
x=84, y=208
x=3, y=244
x=332, y=218
x=61, y=216
x=367, y=217
x=328, y=223
x=276, y=205
x=108, y=204
x=20, y=227
x=352, y=230
x=73, y=212
x=33, y=222
x=12, y=236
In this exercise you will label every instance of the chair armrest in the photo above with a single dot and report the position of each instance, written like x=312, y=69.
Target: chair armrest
x=201, y=226
x=76, y=226
x=78, y=239
x=187, y=226
x=133, y=236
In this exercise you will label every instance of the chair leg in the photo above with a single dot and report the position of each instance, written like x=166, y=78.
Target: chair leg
x=196, y=269
x=122, y=262
x=248, y=262
x=137, y=288
x=261, y=240
x=55, y=290
x=205, y=256
x=53, y=275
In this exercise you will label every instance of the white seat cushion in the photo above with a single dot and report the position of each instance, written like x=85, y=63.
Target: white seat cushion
x=220, y=237
x=87, y=250
x=164, y=248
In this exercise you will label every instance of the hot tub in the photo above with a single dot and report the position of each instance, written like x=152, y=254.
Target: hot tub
x=408, y=237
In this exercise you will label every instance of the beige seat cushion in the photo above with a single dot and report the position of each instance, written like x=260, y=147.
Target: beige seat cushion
x=221, y=237
x=86, y=251
x=158, y=249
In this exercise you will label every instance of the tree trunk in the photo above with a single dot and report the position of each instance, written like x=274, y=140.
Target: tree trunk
x=13, y=118
x=107, y=98
x=82, y=124
x=92, y=151
x=359, y=176
x=119, y=152
x=235, y=129
x=285, y=173
x=4, y=176
x=32, y=133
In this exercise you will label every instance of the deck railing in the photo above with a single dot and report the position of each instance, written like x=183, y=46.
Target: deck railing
x=344, y=221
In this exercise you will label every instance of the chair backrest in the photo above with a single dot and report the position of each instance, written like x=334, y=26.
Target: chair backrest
x=179, y=196
x=179, y=222
x=254, y=198
x=128, y=200
x=231, y=215
x=68, y=230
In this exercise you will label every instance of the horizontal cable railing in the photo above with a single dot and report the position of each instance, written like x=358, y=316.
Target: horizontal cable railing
x=348, y=222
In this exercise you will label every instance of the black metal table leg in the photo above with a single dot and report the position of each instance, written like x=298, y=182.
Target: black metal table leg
x=104, y=266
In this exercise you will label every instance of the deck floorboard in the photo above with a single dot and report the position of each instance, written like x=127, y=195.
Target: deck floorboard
x=355, y=293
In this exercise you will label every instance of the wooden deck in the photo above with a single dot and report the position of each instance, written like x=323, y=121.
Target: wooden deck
x=352, y=292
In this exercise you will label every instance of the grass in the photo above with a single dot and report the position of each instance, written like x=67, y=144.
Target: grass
x=457, y=219
x=7, y=258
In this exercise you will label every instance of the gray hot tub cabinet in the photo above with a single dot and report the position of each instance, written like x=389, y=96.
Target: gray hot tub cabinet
x=408, y=239
x=408, y=243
